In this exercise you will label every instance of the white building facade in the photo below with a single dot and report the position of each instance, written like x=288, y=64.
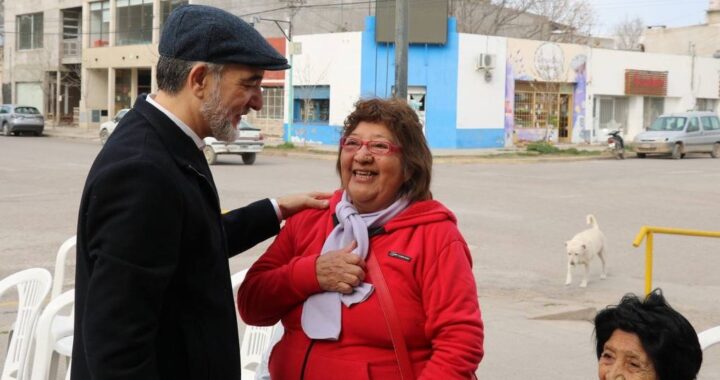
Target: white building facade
x=478, y=91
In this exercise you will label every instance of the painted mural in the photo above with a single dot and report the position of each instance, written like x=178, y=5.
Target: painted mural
x=509, y=104
x=580, y=131
x=544, y=65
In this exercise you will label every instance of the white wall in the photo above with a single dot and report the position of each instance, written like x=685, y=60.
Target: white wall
x=607, y=77
x=480, y=104
x=609, y=66
x=707, y=78
x=331, y=59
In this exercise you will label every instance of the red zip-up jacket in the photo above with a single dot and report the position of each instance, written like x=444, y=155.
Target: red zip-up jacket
x=427, y=266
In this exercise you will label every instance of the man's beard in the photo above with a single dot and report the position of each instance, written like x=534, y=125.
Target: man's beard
x=217, y=118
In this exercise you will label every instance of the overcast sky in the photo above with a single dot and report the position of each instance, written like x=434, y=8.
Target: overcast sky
x=653, y=12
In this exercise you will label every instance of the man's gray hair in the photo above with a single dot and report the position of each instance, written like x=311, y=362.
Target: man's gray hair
x=172, y=73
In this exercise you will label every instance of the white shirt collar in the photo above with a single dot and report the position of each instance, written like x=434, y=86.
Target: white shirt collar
x=183, y=127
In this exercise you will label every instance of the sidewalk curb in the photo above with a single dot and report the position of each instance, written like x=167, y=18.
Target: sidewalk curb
x=325, y=152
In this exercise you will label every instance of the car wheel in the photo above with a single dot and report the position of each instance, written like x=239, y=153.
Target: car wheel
x=6, y=130
x=104, y=136
x=641, y=155
x=677, y=152
x=210, y=155
x=716, y=151
x=248, y=158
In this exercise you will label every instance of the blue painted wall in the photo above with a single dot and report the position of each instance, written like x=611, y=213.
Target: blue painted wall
x=314, y=133
x=480, y=138
x=432, y=66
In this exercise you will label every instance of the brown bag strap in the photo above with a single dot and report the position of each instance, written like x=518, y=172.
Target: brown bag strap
x=391, y=318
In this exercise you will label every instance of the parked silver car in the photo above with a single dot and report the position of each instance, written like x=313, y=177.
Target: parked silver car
x=16, y=119
x=248, y=144
x=680, y=133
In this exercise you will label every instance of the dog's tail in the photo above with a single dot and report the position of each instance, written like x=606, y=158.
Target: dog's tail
x=591, y=221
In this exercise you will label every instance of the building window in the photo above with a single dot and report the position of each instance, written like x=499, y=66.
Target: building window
x=652, y=108
x=312, y=110
x=167, y=6
x=312, y=104
x=612, y=113
x=273, y=103
x=99, y=23
x=134, y=22
x=30, y=31
x=706, y=104
x=123, y=85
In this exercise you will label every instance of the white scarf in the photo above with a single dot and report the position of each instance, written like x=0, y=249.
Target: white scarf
x=321, y=315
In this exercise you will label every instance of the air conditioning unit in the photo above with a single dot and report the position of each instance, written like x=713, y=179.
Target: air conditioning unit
x=485, y=62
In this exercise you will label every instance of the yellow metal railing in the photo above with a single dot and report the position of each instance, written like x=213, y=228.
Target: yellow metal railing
x=649, y=231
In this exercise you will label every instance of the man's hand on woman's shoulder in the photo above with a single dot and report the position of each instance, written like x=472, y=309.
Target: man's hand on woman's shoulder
x=292, y=204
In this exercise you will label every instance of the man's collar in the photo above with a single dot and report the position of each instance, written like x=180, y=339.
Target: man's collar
x=183, y=127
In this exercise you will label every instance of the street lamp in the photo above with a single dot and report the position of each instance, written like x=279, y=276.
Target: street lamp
x=291, y=52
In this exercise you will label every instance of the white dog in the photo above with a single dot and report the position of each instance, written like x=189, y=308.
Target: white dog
x=583, y=247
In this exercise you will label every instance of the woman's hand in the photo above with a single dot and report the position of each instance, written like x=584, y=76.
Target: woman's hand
x=341, y=270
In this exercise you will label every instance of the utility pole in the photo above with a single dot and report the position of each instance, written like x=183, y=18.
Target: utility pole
x=401, y=49
x=289, y=84
x=692, y=75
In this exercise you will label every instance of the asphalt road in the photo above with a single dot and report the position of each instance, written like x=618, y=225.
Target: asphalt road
x=515, y=216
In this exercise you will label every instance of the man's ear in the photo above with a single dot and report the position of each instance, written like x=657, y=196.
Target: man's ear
x=197, y=80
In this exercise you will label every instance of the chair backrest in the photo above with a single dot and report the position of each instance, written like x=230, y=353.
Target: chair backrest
x=45, y=337
x=32, y=286
x=709, y=337
x=60, y=258
x=255, y=342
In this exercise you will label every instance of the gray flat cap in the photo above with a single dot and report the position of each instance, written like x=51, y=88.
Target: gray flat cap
x=208, y=34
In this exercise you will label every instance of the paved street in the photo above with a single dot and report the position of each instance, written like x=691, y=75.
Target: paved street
x=516, y=217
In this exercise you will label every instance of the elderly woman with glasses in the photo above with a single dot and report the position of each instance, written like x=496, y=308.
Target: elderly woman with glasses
x=380, y=285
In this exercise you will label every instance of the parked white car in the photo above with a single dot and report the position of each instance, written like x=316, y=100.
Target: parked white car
x=248, y=144
x=680, y=133
x=108, y=127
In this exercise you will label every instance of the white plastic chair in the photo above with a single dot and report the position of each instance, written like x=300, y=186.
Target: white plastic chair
x=60, y=259
x=62, y=322
x=255, y=340
x=47, y=348
x=709, y=337
x=33, y=285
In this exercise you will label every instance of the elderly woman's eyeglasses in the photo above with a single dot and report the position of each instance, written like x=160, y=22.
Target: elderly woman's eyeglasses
x=380, y=148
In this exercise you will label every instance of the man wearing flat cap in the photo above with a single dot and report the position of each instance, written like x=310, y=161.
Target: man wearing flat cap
x=153, y=297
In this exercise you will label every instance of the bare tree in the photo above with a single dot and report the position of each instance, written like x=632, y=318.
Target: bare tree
x=486, y=16
x=627, y=34
x=555, y=20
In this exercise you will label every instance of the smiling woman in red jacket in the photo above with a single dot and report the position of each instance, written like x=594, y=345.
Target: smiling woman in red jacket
x=340, y=321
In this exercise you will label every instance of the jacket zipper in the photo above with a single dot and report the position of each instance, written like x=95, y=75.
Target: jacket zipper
x=307, y=356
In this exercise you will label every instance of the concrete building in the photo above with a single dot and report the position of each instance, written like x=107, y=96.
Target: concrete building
x=478, y=91
x=41, y=62
x=103, y=53
x=120, y=49
x=701, y=40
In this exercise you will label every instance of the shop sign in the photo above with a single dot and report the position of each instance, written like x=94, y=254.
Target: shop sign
x=648, y=83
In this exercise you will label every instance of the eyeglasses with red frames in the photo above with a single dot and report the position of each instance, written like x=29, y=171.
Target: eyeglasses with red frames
x=379, y=148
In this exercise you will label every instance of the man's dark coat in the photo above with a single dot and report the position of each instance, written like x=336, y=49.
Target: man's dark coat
x=153, y=295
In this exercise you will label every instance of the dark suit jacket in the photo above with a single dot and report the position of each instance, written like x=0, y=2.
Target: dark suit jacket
x=153, y=295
